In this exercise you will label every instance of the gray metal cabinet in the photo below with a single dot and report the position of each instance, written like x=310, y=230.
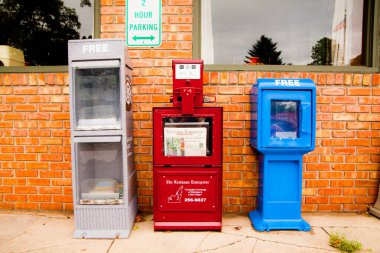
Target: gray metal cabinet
x=104, y=178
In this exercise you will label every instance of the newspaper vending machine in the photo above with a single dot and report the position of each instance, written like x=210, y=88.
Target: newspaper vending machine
x=187, y=156
x=282, y=130
x=104, y=178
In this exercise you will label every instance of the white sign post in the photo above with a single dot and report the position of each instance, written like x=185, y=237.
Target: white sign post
x=143, y=23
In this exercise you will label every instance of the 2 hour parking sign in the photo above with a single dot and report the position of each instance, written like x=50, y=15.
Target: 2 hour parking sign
x=143, y=23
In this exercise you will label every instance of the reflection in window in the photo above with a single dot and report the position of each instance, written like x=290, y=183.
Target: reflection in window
x=284, y=119
x=294, y=32
x=39, y=30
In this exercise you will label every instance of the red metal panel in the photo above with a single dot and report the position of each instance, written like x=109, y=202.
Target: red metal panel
x=188, y=198
x=215, y=159
x=196, y=84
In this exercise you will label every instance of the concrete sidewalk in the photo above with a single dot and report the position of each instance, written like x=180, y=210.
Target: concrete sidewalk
x=52, y=232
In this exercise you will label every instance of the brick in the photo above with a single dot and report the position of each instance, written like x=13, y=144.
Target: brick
x=180, y=54
x=39, y=198
x=366, y=183
x=12, y=149
x=369, y=117
x=317, y=167
x=369, y=166
x=333, y=91
x=26, y=124
x=358, y=159
x=316, y=183
x=51, y=157
x=13, y=99
x=358, y=142
x=25, y=190
x=344, y=117
x=25, y=108
x=14, y=181
x=358, y=108
x=6, y=157
x=342, y=183
x=329, y=208
x=37, y=165
x=330, y=191
x=309, y=192
x=25, y=91
x=344, y=100
x=36, y=149
x=330, y=175
x=358, y=79
x=358, y=125
x=230, y=90
x=364, y=151
x=62, y=199
x=5, y=124
x=331, y=108
x=51, y=206
x=355, y=191
x=346, y=151
x=60, y=116
x=341, y=200
x=316, y=200
x=16, y=198
x=50, y=107
x=61, y=182
x=343, y=167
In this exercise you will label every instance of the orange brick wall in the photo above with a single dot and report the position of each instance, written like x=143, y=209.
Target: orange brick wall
x=342, y=174
x=35, y=168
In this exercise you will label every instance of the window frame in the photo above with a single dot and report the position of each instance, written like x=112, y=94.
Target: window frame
x=59, y=68
x=371, y=41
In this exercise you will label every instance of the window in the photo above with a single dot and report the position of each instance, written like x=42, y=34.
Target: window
x=284, y=119
x=187, y=136
x=287, y=32
x=97, y=98
x=100, y=171
x=35, y=33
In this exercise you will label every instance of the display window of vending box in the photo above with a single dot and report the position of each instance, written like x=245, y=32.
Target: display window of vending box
x=187, y=139
x=100, y=172
x=97, y=95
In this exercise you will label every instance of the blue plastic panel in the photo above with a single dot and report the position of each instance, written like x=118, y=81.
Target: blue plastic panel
x=286, y=119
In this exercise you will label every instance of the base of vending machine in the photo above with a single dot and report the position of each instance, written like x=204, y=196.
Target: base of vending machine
x=188, y=198
x=105, y=221
x=261, y=224
x=280, y=193
x=217, y=226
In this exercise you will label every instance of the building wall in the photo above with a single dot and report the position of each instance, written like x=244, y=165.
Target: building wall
x=342, y=174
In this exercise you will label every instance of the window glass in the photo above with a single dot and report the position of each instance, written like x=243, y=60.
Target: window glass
x=282, y=32
x=97, y=98
x=187, y=136
x=284, y=119
x=35, y=33
x=100, y=173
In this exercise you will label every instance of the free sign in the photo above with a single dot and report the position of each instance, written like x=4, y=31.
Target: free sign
x=143, y=23
x=284, y=82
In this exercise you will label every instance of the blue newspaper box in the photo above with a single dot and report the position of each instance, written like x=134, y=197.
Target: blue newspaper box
x=282, y=130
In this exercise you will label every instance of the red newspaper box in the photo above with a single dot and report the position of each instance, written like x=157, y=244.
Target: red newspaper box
x=187, y=156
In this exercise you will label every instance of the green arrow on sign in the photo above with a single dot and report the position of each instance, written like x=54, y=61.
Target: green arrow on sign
x=151, y=37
